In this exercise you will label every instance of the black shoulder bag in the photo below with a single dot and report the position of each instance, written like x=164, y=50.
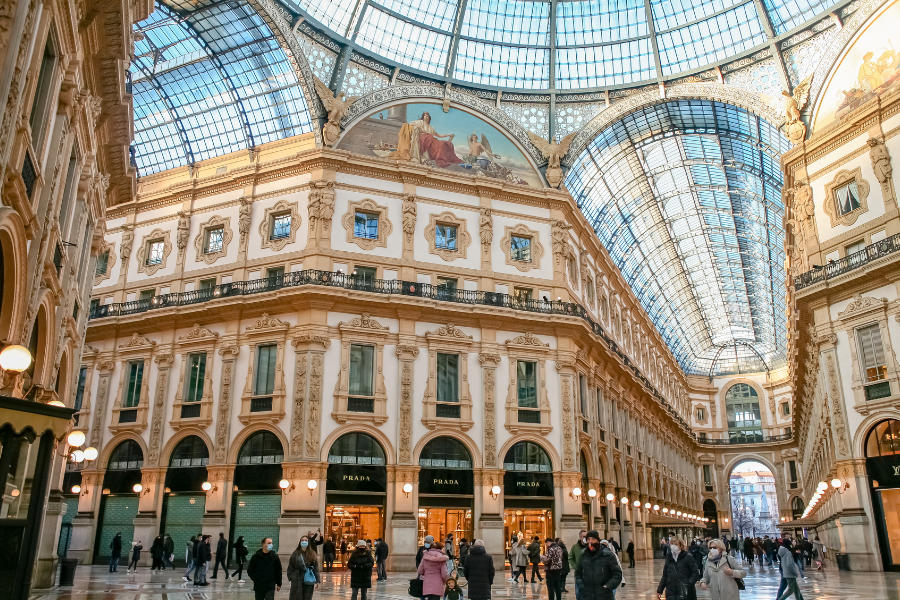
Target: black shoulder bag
x=737, y=580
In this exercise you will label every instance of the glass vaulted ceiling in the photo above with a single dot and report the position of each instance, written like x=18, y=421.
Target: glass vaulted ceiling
x=209, y=78
x=560, y=44
x=686, y=196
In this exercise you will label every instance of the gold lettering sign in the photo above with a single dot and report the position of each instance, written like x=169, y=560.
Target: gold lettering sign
x=356, y=478
x=527, y=483
x=446, y=482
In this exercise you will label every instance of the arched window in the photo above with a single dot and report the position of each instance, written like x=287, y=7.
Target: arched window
x=356, y=448
x=742, y=412
x=261, y=448
x=127, y=455
x=884, y=439
x=527, y=456
x=190, y=452
x=445, y=453
x=797, y=507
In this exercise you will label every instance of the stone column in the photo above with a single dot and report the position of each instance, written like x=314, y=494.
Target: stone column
x=488, y=517
x=44, y=575
x=229, y=353
x=150, y=498
x=300, y=505
x=85, y=520
x=401, y=526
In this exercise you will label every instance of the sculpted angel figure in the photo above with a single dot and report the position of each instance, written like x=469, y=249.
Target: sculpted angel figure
x=553, y=152
x=337, y=107
x=793, y=104
x=476, y=149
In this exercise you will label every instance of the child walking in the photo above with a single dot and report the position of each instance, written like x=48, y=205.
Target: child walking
x=453, y=591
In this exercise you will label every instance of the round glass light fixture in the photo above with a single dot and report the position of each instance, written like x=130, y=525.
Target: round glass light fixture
x=678, y=514
x=822, y=486
x=407, y=487
x=835, y=483
x=76, y=489
x=77, y=456
x=496, y=490
x=91, y=453
x=637, y=503
x=666, y=510
x=15, y=358
x=206, y=486
x=107, y=492
x=56, y=403
x=138, y=488
x=610, y=497
x=312, y=484
x=592, y=493
x=656, y=507
x=15, y=493
x=624, y=500
x=576, y=491
x=647, y=505
x=76, y=438
x=284, y=484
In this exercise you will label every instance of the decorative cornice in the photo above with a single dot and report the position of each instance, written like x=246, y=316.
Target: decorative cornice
x=137, y=341
x=528, y=339
x=198, y=332
x=364, y=322
x=267, y=322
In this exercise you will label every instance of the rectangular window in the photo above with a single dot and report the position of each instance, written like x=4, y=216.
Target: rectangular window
x=214, y=240
x=855, y=247
x=275, y=273
x=447, y=284
x=846, y=198
x=68, y=195
x=155, y=250
x=701, y=414
x=792, y=470
x=266, y=363
x=600, y=419
x=146, y=294
x=582, y=395
x=366, y=226
x=208, y=284
x=362, y=369
x=871, y=353
x=707, y=477
x=786, y=409
x=134, y=379
x=702, y=435
x=447, y=377
x=522, y=294
x=281, y=226
x=39, y=117
x=520, y=248
x=79, y=391
x=196, y=372
x=445, y=237
x=365, y=274
x=95, y=304
x=102, y=264
x=526, y=384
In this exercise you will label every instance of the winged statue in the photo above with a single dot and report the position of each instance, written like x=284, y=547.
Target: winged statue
x=337, y=107
x=477, y=148
x=553, y=152
x=793, y=104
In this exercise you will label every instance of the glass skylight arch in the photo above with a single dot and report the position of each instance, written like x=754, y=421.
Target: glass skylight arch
x=686, y=197
x=209, y=78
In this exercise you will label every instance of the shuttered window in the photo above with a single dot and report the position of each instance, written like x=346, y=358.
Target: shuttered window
x=871, y=353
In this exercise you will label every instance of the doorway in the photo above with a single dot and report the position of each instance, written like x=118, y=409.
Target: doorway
x=754, y=503
x=350, y=523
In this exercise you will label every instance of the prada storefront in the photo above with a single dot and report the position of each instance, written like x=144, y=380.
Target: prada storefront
x=355, y=489
x=446, y=491
x=528, y=493
x=883, y=468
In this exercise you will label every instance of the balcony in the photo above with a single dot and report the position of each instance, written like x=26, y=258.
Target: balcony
x=345, y=281
x=849, y=263
x=784, y=437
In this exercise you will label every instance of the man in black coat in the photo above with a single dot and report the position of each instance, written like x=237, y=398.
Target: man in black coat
x=479, y=570
x=630, y=552
x=328, y=552
x=598, y=572
x=202, y=556
x=381, y=553
x=221, y=556
x=115, y=547
x=679, y=574
x=265, y=571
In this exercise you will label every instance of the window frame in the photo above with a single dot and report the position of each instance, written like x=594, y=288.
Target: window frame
x=528, y=348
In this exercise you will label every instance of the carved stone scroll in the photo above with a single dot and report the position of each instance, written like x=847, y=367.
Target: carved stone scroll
x=223, y=419
x=314, y=405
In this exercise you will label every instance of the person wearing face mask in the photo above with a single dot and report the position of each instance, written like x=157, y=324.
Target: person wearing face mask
x=303, y=571
x=679, y=574
x=432, y=571
x=598, y=572
x=265, y=571
x=720, y=573
x=360, y=565
x=425, y=547
x=574, y=558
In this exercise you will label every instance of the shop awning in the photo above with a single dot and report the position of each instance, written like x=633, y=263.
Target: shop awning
x=25, y=415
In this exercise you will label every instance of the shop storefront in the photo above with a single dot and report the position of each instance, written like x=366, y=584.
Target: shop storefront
x=356, y=488
x=883, y=468
x=119, y=502
x=184, y=503
x=446, y=490
x=256, y=497
x=528, y=493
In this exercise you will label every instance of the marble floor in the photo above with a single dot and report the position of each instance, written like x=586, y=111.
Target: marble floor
x=96, y=583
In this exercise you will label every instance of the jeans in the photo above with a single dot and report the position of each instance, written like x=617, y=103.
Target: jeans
x=113, y=563
x=792, y=588
x=554, y=585
x=190, y=567
x=799, y=562
x=328, y=561
x=536, y=570
x=200, y=573
x=577, y=589
x=362, y=593
x=220, y=561
x=380, y=571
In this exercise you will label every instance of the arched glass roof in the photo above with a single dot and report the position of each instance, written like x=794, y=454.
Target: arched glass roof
x=209, y=78
x=686, y=196
x=558, y=44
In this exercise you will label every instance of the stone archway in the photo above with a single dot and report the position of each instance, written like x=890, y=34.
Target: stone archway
x=752, y=485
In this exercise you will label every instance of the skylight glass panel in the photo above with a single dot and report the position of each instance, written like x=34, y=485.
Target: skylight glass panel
x=502, y=66
x=593, y=22
x=508, y=22
x=404, y=42
x=158, y=139
x=669, y=14
x=440, y=14
x=335, y=16
x=612, y=64
x=709, y=41
x=787, y=14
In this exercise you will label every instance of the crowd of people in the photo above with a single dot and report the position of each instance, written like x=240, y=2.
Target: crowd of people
x=717, y=565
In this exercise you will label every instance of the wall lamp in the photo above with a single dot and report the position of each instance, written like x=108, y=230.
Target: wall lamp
x=209, y=488
x=286, y=486
x=610, y=497
x=77, y=489
x=311, y=485
x=141, y=490
x=407, y=488
x=839, y=486
x=575, y=494
x=637, y=503
x=624, y=500
x=495, y=492
x=656, y=507
x=592, y=493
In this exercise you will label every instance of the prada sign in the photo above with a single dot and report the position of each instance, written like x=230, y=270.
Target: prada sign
x=885, y=470
x=356, y=478
x=517, y=483
x=446, y=482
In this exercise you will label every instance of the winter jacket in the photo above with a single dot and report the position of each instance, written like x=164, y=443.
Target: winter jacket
x=534, y=552
x=553, y=559
x=479, y=568
x=722, y=586
x=676, y=572
x=156, y=550
x=265, y=571
x=597, y=574
x=463, y=552
x=520, y=554
x=630, y=549
x=116, y=546
x=296, y=572
x=240, y=550
x=575, y=554
x=221, y=548
x=202, y=553
x=789, y=568
x=328, y=548
x=748, y=547
x=819, y=549
x=169, y=546
x=768, y=546
x=566, y=566
x=419, y=554
x=448, y=548
x=433, y=572
x=382, y=550
x=136, y=552
x=360, y=565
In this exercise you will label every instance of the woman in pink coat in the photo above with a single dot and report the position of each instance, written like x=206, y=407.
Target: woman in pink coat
x=433, y=571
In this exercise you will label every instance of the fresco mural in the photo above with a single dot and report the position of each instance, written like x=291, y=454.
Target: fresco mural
x=456, y=141
x=870, y=66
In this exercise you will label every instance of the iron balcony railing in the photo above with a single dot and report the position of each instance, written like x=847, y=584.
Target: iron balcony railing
x=378, y=286
x=784, y=437
x=848, y=263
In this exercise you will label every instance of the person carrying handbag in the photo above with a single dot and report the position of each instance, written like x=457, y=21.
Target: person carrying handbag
x=721, y=577
x=303, y=571
x=679, y=574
